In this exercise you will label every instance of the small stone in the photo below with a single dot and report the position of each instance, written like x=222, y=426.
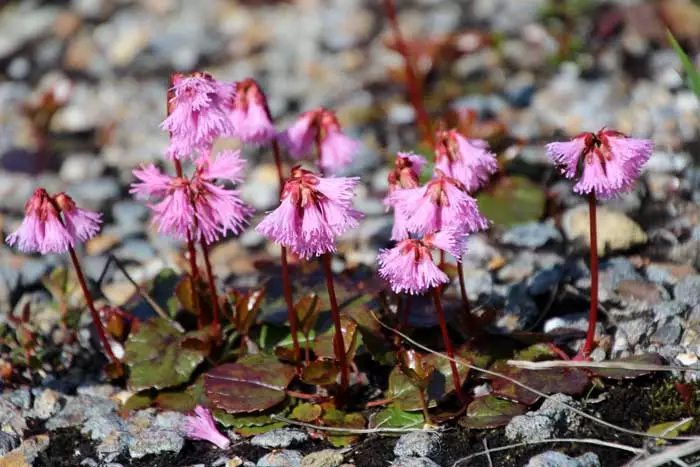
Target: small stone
x=687, y=359
x=260, y=189
x=127, y=212
x=633, y=329
x=324, y=458
x=477, y=281
x=668, y=334
x=81, y=167
x=517, y=270
x=531, y=235
x=91, y=194
x=641, y=292
x=520, y=312
x=8, y=442
x=20, y=398
x=136, y=250
x=101, y=243
x=669, y=309
x=559, y=459
x=279, y=438
x=80, y=408
x=11, y=417
x=99, y=428
x=545, y=280
x=550, y=420
x=616, y=231
x=283, y=458
x=414, y=462
x=417, y=444
x=46, y=404
x=687, y=290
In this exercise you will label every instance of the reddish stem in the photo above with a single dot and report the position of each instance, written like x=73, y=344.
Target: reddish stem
x=286, y=283
x=448, y=343
x=405, y=312
x=338, y=343
x=593, y=313
x=414, y=88
x=91, y=306
x=319, y=150
x=212, y=287
x=463, y=289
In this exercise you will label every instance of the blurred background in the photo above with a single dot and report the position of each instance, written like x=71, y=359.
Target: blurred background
x=83, y=88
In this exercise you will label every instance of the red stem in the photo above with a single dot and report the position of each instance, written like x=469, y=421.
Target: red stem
x=405, y=312
x=212, y=287
x=286, y=283
x=338, y=343
x=91, y=306
x=463, y=289
x=415, y=92
x=593, y=313
x=448, y=343
x=319, y=151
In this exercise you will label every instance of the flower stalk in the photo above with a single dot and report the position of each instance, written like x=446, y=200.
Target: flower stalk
x=448, y=343
x=338, y=341
x=593, y=312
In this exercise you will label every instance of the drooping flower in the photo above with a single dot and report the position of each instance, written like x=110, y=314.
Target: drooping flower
x=611, y=162
x=201, y=426
x=407, y=169
x=44, y=231
x=251, y=115
x=409, y=266
x=441, y=204
x=196, y=205
x=199, y=109
x=336, y=148
x=313, y=211
x=467, y=160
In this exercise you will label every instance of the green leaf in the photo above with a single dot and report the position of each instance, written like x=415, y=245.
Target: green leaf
x=373, y=337
x=536, y=353
x=160, y=357
x=305, y=412
x=253, y=383
x=185, y=400
x=163, y=290
x=688, y=66
x=394, y=417
x=140, y=400
x=490, y=412
x=669, y=429
x=512, y=200
x=339, y=419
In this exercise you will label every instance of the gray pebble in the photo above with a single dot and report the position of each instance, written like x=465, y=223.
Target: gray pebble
x=279, y=438
x=414, y=462
x=46, y=404
x=687, y=290
x=129, y=212
x=558, y=459
x=669, y=333
x=283, y=458
x=8, y=442
x=531, y=235
x=135, y=250
x=668, y=309
x=550, y=420
x=418, y=444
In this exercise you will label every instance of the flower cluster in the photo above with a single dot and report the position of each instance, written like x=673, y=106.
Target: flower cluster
x=53, y=224
x=196, y=205
x=466, y=160
x=313, y=211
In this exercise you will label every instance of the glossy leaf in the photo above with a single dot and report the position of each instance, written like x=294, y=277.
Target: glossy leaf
x=320, y=372
x=490, y=412
x=512, y=200
x=140, y=400
x=373, y=337
x=248, y=425
x=306, y=412
x=247, y=306
x=324, y=342
x=622, y=373
x=418, y=370
x=393, y=417
x=307, y=310
x=157, y=357
x=571, y=381
x=339, y=419
x=253, y=383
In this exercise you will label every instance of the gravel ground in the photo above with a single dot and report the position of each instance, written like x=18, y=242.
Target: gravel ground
x=112, y=58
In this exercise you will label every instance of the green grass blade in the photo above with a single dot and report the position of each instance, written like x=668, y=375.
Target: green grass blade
x=690, y=70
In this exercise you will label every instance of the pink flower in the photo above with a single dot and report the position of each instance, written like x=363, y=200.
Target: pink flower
x=250, y=114
x=82, y=225
x=466, y=160
x=441, y=204
x=406, y=173
x=611, y=161
x=199, y=112
x=313, y=211
x=43, y=230
x=336, y=148
x=196, y=205
x=201, y=426
x=409, y=266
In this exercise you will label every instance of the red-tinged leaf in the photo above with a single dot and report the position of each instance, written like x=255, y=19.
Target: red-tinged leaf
x=490, y=412
x=373, y=337
x=324, y=342
x=306, y=412
x=320, y=372
x=571, y=381
x=307, y=310
x=623, y=373
x=254, y=383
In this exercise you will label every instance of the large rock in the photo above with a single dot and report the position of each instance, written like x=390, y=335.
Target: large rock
x=616, y=231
